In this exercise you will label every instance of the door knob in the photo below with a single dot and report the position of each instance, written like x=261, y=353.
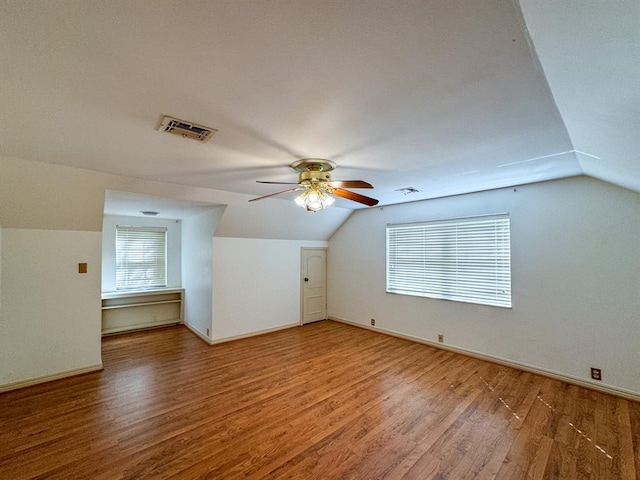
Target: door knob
x=306, y=279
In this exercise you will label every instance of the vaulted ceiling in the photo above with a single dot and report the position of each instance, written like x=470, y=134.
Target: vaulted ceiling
x=446, y=96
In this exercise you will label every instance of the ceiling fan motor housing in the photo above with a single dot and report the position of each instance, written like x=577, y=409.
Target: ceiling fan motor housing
x=313, y=170
x=311, y=176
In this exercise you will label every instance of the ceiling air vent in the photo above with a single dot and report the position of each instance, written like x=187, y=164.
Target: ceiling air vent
x=186, y=129
x=407, y=190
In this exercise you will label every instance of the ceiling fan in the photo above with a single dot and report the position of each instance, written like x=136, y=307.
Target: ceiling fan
x=314, y=181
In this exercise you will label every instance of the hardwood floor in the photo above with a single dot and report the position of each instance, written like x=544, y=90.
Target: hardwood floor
x=322, y=401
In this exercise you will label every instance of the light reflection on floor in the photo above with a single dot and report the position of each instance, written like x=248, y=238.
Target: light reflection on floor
x=580, y=432
x=502, y=400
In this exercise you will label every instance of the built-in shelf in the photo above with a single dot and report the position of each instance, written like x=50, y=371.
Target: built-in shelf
x=136, y=310
x=127, y=305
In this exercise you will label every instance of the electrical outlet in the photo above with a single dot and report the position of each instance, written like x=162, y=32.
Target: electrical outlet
x=596, y=373
x=373, y=322
x=207, y=332
x=440, y=338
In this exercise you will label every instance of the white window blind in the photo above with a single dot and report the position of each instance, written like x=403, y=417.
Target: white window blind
x=464, y=259
x=141, y=257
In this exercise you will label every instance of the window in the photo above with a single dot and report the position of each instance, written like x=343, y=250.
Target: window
x=141, y=257
x=463, y=259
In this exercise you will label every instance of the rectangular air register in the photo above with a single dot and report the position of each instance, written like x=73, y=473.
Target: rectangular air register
x=186, y=129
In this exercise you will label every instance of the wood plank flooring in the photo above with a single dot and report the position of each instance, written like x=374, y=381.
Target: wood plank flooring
x=324, y=401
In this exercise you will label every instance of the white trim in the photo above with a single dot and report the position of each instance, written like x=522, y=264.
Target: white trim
x=611, y=390
x=140, y=293
x=49, y=378
x=255, y=334
x=209, y=341
x=302, y=283
x=140, y=326
x=198, y=333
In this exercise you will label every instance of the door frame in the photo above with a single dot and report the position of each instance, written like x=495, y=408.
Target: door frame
x=302, y=251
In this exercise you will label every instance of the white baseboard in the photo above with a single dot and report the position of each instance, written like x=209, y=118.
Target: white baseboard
x=254, y=334
x=198, y=333
x=209, y=341
x=619, y=392
x=49, y=378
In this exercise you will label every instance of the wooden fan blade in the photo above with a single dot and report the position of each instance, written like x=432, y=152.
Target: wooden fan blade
x=349, y=184
x=356, y=197
x=278, y=183
x=278, y=193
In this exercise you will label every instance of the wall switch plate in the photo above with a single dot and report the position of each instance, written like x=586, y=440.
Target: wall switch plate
x=596, y=373
x=82, y=268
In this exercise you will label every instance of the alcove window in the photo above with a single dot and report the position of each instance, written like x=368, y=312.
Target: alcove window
x=141, y=257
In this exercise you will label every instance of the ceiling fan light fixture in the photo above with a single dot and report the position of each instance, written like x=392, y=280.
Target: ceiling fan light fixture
x=318, y=188
x=315, y=198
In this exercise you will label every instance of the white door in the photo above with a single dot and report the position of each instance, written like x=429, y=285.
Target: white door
x=314, y=285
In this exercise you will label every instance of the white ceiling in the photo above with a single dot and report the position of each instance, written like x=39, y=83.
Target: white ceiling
x=447, y=96
x=133, y=204
x=590, y=52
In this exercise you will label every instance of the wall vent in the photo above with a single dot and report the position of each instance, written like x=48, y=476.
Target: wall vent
x=186, y=129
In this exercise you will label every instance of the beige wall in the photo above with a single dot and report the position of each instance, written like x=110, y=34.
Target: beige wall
x=256, y=284
x=50, y=317
x=52, y=217
x=575, y=279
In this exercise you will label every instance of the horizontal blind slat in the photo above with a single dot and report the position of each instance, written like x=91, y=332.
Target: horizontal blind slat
x=141, y=257
x=466, y=259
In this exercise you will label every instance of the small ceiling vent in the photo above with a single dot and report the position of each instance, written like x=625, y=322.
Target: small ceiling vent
x=407, y=190
x=186, y=129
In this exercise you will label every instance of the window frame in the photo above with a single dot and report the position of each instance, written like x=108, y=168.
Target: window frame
x=463, y=259
x=152, y=270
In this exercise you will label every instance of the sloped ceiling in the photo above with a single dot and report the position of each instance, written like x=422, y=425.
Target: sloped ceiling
x=447, y=96
x=590, y=53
